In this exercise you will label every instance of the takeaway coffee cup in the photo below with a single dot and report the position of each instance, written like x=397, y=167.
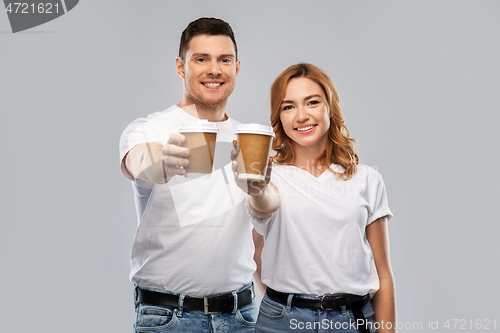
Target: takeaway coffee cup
x=254, y=141
x=200, y=140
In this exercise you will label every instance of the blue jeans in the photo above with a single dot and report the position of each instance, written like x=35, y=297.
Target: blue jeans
x=276, y=317
x=152, y=318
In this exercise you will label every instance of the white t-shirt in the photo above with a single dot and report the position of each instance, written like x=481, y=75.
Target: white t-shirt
x=315, y=242
x=194, y=235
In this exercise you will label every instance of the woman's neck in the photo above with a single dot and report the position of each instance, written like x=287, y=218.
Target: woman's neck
x=306, y=159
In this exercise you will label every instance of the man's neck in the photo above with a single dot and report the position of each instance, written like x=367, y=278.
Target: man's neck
x=213, y=113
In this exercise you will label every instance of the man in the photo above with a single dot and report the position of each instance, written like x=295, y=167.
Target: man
x=191, y=258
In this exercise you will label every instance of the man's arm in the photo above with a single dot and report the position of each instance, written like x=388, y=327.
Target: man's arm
x=156, y=163
x=384, y=301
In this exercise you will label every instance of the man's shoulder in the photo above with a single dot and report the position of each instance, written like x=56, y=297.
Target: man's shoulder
x=171, y=112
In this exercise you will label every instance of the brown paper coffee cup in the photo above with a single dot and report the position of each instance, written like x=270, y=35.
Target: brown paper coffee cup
x=200, y=140
x=254, y=141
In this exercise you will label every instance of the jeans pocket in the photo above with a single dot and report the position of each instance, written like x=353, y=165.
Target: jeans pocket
x=154, y=318
x=272, y=311
x=247, y=314
x=369, y=315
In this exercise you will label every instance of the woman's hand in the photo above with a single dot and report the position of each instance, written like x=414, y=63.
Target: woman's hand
x=251, y=187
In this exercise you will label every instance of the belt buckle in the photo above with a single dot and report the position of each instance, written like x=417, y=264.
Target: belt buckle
x=332, y=297
x=205, y=306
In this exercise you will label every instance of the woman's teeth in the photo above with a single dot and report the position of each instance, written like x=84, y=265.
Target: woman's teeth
x=305, y=128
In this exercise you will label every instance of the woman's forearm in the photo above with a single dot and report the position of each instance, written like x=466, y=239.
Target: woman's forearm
x=266, y=202
x=384, y=305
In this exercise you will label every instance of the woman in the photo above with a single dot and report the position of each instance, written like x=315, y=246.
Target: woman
x=323, y=217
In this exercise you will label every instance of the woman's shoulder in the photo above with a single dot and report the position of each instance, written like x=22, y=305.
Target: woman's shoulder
x=367, y=172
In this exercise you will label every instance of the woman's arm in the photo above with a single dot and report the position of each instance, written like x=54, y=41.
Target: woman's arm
x=384, y=301
x=258, y=241
x=263, y=196
x=266, y=202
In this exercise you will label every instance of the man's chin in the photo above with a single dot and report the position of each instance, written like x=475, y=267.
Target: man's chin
x=213, y=103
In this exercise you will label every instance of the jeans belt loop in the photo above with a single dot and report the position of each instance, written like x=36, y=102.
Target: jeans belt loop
x=235, y=303
x=289, y=302
x=180, y=305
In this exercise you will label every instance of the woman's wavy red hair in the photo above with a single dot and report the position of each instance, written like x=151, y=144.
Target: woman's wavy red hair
x=339, y=146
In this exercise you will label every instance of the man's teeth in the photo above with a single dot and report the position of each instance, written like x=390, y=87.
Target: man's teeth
x=305, y=128
x=214, y=84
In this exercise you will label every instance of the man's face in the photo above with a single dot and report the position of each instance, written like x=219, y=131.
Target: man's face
x=209, y=70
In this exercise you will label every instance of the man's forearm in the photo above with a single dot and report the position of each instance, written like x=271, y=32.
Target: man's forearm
x=144, y=162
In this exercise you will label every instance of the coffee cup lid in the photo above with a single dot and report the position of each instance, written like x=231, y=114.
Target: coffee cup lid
x=199, y=126
x=255, y=129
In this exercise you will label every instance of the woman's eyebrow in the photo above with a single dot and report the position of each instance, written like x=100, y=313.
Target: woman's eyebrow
x=312, y=96
x=305, y=99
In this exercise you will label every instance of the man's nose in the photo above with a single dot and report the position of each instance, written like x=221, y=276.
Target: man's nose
x=213, y=68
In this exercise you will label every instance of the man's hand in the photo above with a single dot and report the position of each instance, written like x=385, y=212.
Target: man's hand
x=174, y=156
x=156, y=163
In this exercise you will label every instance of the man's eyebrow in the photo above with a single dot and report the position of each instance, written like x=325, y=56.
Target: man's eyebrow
x=208, y=55
x=199, y=55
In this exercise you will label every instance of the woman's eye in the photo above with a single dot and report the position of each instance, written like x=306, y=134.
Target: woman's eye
x=287, y=107
x=314, y=102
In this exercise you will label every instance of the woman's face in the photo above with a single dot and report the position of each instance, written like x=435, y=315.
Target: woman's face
x=305, y=115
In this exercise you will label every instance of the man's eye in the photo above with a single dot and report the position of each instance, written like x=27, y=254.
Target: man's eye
x=226, y=61
x=201, y=60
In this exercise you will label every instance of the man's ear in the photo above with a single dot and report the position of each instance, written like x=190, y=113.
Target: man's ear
x=179, y=66
x=237, y=67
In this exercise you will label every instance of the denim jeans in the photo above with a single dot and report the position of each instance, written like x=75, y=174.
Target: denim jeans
x=152, y=318
x=276, y=317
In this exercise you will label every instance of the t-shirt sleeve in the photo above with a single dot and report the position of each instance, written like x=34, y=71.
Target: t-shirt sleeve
x=260, y=224
x=379, y=206
x=141, y=130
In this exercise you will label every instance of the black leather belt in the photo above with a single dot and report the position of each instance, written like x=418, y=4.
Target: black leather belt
x=207, y=304
x=327, y=302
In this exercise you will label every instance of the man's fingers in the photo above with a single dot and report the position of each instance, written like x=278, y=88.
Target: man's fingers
x=172, y=161
x=176, y=139
x=172, y=171
x=174, y=150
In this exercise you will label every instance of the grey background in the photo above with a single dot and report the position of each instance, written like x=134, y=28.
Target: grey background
x=418, y=82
